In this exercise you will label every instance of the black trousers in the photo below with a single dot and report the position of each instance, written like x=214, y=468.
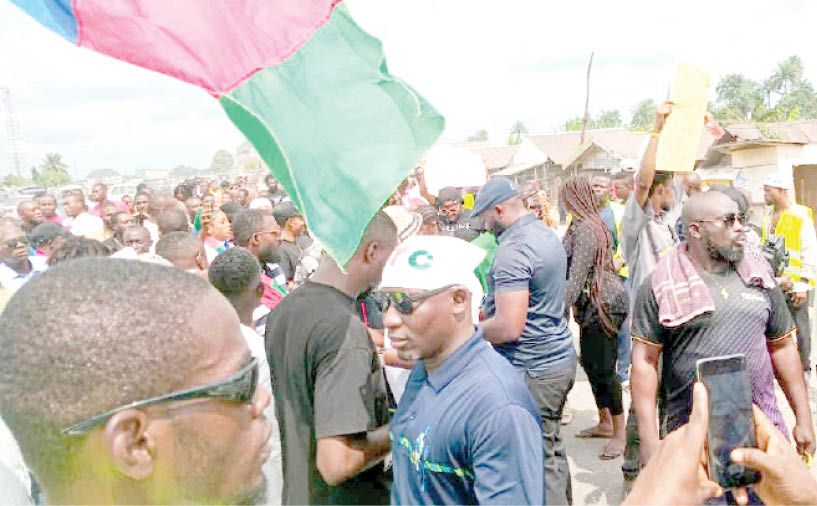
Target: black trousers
x=801, y=319
x=599, y=354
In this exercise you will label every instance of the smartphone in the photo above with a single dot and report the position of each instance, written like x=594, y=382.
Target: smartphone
x=731, y=421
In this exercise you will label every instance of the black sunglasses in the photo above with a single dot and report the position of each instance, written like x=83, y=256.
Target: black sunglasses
x=729, y=219
x=14, y=241
x=240, y=387
x=404, y=303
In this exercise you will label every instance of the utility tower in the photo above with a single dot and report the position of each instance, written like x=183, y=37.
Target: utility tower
x=12, y=131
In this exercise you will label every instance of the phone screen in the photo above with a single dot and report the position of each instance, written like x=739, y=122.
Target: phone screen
x=731, y=421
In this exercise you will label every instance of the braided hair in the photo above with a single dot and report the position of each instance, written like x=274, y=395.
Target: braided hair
x=578, y=197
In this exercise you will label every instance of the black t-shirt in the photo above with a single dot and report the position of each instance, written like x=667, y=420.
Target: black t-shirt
x=290, y=255
x=327, y=381
x=745, y=319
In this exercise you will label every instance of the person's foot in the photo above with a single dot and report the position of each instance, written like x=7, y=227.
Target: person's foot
x=613, y=450
x=567, y=415
x=597, y=431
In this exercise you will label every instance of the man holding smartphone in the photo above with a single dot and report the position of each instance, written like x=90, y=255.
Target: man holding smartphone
x=707, y=299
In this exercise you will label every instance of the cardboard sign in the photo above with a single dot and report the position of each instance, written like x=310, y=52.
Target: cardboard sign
x=681, y=136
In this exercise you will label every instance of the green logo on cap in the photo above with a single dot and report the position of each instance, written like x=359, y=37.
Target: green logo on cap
x=421, y=259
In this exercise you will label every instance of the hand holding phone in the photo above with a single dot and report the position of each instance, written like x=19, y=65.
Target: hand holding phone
x=731, y=419
x=784, y=478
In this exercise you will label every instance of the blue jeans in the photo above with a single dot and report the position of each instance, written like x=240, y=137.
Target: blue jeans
x=624, y=342
x=625, y=349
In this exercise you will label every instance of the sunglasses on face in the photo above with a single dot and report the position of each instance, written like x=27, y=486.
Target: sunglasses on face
x=240, y=387
x=404, y=302
x=14, y=241
x=729, y=219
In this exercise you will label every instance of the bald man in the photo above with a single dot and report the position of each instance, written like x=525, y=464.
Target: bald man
x=740, y=310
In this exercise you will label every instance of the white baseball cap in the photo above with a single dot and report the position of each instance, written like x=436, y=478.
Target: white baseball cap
x=779, y=180
x=431, y=262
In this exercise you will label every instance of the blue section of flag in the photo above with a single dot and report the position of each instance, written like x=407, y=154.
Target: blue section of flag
x=56, y=15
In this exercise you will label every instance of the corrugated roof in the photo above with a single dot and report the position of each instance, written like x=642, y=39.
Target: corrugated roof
x=565, y=146
x=496, y=157
x=800, y=132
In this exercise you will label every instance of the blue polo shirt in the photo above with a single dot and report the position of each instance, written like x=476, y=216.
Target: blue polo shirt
x=530, y=256
x=468, y=433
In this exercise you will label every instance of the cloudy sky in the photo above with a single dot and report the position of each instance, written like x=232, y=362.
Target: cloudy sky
x=482, y=63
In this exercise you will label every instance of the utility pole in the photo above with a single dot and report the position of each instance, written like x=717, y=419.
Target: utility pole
x=586, y=116
x=12, y=130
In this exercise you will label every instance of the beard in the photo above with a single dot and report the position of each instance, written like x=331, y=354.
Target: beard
x=730, y=254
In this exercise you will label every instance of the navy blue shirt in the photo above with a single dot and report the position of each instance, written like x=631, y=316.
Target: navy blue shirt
x=530, y=256
x=468, y=433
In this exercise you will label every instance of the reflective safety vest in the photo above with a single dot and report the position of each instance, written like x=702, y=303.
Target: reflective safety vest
x=618, y=212
x=789, y=226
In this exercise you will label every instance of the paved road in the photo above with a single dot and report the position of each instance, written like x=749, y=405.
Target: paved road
x=598, y=481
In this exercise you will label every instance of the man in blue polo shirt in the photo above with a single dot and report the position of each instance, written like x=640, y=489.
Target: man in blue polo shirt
x=526, y=316
x=463, y=428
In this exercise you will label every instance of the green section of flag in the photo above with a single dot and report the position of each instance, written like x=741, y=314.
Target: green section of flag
x=336, y=129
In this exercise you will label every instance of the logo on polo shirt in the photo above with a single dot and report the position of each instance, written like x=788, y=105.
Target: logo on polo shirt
x=421, y=259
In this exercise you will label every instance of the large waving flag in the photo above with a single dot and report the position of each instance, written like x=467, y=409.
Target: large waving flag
x=299, y=78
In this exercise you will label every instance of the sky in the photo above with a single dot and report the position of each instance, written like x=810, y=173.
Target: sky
x=484, y=64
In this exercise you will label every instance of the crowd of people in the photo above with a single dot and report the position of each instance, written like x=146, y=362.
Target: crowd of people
x=201, y=347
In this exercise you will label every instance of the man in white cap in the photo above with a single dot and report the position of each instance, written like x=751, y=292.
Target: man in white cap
x=463, y=430
x=795, y=223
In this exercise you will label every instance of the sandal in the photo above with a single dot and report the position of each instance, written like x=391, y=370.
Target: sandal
x=593, y=433
x=610, y=454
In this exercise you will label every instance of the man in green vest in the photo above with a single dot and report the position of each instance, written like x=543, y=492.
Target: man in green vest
x=784, y=217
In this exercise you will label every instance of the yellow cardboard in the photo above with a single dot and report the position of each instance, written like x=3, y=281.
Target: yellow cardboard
x=681, y=136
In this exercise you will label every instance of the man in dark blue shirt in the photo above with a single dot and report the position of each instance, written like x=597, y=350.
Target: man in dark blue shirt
x=463, y=429
x=526, y=316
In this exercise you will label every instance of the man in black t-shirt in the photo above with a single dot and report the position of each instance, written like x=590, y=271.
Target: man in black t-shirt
x=331, y=402
x=455, y=221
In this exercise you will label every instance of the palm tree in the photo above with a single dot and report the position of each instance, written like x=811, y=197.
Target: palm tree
x=517, y=130
x=738, y=96
x=643, y=115
x=53, y=162
x=789, y=75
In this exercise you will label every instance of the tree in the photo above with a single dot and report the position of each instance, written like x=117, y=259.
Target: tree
x=739, y=98
x=35, y=175
x=643, y=117
x=53, y=161
x=478, y=136
x=222, y=161
x=788, y=76
x=607, y=119
x=575, y=124
x=517, y=131
x=53, y=171
x=12, y=180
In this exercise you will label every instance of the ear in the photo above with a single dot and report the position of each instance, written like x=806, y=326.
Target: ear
x=131, y=448
x=259, y=290
x=201, y=261
x=462, y=302
x=372, y=251
x=694, y=230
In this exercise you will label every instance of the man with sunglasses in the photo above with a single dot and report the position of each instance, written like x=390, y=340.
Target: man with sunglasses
x=331, y=401
x=148, y=401
x=16, y=265
x=463, y=429
x=260, y=234
x=706, y=298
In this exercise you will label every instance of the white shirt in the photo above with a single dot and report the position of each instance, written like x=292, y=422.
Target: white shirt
x=12, y=280
x=86, y=225
x=272, y=467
